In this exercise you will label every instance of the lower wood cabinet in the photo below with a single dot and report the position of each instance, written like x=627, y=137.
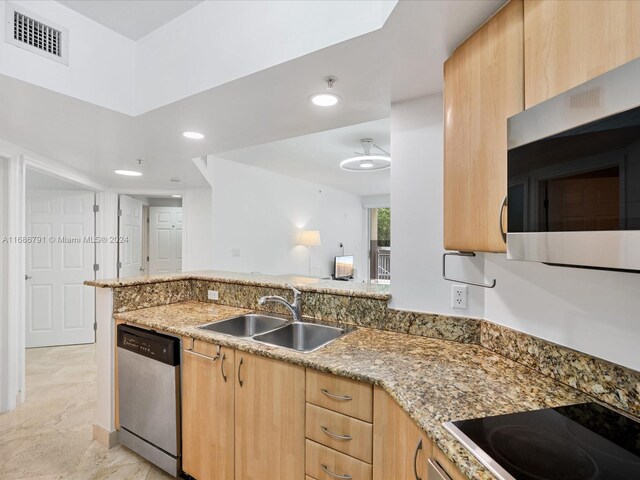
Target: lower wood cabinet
x=208, y=412
x=400, y=449
x=270, y=403
x=243, y=415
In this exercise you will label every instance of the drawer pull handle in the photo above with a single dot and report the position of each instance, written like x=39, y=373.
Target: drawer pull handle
x=333, y=474
x=344, y=398
x=335, y=435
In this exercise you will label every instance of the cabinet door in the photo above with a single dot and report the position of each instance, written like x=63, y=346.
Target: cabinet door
x=270, y=411
x=400, y=449
x=483, y=86
x=567, y=43
x=208, y=413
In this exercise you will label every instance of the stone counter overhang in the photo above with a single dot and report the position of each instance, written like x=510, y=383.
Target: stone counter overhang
x=304, y=284
x=433, y=380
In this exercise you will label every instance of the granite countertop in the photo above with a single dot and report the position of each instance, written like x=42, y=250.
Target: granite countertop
x=305, y=284
x=433, y=380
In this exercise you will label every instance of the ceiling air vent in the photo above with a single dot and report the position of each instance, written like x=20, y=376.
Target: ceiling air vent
x=26, y=30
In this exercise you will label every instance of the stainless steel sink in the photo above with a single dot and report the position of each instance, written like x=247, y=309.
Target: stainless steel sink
x=303, y=337
x=246, y=325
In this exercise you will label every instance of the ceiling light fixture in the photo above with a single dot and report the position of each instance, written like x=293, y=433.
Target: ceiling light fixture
x=176, y=196
x=128, y=173
x=326, y=99
x=193, y=135
x=365, y=161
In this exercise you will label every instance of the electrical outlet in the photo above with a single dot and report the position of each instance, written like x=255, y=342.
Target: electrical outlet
x=459, y=296
x=212, y=295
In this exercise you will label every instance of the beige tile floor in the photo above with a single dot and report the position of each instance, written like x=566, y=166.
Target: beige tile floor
x=49, y=437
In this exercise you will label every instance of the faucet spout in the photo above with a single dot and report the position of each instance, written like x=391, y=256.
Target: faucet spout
x=295, y=307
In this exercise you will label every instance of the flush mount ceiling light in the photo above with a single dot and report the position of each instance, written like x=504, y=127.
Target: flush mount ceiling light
x=367, y=161
x=326, y=99
x=176, y=196
x=193, y=135
x=128, y=173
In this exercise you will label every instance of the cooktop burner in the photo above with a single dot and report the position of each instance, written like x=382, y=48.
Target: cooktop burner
x=579, y=442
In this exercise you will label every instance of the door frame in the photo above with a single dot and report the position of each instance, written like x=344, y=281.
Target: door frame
x=13, y=323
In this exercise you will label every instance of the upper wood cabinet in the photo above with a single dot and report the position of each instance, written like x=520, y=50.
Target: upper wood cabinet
x=567, y=43
x=208, y=412
x=400, y=449
x=270, y=419
x=484, y=85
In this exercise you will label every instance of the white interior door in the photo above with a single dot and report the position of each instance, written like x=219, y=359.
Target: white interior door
x=130, y=236
x=165, y=240
x=60, y=310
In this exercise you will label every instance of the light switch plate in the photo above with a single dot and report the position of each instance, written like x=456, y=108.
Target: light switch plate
x=212, y=295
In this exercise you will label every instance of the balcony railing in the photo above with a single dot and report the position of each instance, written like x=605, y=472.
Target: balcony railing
x=383, y=263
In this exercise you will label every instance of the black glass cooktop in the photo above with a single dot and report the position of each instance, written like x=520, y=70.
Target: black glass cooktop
x=578, y=442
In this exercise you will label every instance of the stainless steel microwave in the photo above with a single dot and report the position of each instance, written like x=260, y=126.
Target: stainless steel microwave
x=574, y=176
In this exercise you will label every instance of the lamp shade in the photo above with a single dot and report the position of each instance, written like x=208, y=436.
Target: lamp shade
x=309, y=238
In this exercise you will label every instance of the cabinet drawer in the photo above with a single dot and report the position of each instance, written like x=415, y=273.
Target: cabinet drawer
x=327, y=427
x=340, y=395
x=322, y=462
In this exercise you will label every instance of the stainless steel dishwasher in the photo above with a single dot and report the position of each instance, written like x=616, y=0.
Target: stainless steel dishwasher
x=149, y=396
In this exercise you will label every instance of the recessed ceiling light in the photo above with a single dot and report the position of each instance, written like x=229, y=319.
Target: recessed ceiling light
x=128, y=173
x=193, y=135
x=176, y=196
x=324, y=99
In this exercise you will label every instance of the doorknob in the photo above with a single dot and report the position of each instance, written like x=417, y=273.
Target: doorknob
x=27, y=277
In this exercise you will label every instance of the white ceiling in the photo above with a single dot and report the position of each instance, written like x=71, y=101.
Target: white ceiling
x=316, y=157
x=402, y=60
x=132, y=18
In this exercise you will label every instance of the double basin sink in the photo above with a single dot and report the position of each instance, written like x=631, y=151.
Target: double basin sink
x=273, y=330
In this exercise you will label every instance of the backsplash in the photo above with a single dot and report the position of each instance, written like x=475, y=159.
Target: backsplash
x=147, y=295
x=610, y=383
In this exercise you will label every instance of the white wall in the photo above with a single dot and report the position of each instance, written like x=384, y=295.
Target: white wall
x=101, y=62
x=416, y=214
x=591, y=311
x=217, y=42
x=257, y=214
x=197, y=221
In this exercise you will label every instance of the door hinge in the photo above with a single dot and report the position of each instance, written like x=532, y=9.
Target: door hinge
x=96, y=267
x=95, y=326
x=119, y=212
x=96, y=208
x=119, y=264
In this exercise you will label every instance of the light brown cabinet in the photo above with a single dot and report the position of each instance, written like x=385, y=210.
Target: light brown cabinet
x=400, y=449
x=243, y=415
x=483, y=87
x=208, y=412
x=567, y=43
x=269, y=419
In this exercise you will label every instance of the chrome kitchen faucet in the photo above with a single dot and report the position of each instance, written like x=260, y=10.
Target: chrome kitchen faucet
x=295, y=307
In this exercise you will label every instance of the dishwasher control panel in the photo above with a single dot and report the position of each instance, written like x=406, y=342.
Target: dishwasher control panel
x=159, y=347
